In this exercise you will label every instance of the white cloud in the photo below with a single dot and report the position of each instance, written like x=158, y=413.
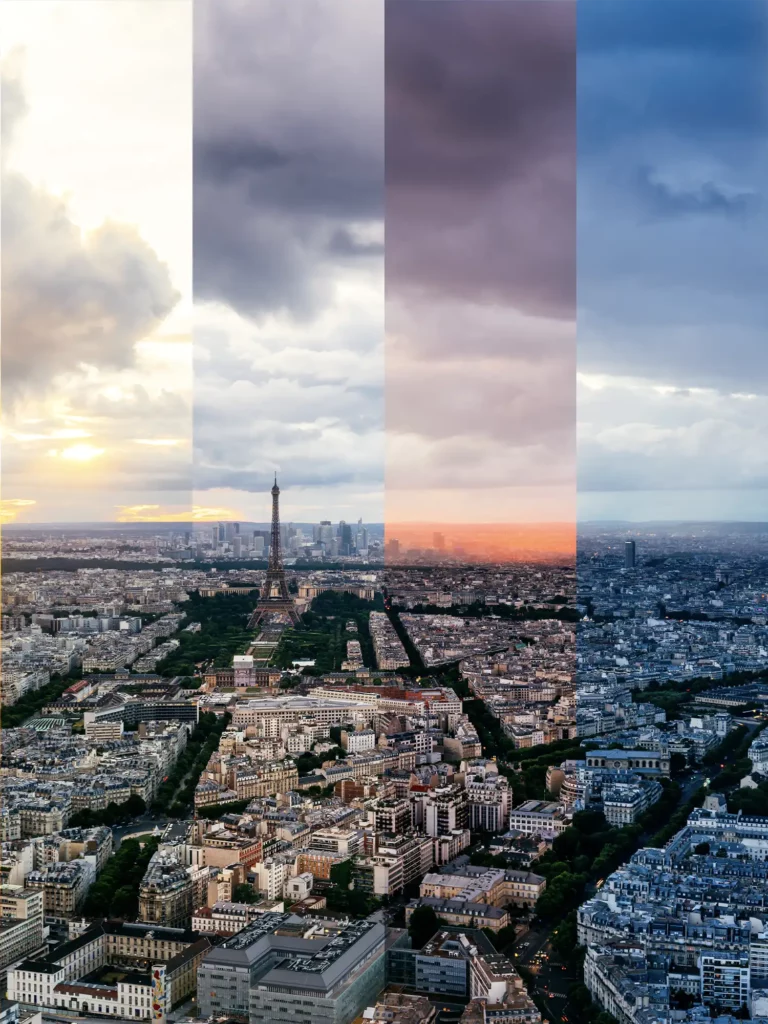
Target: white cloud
x=97, y=254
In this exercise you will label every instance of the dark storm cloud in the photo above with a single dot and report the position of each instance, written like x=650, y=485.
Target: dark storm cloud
x=288, y=149
x=673, y=158
x=716, y=27
x=480, y=151
x=646, y=66
x=306, y=472
x=667, y=200
x=288, y=221
x=343, y=244
x=480, y=272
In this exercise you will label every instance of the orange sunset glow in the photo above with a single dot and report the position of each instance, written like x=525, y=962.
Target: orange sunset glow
x=486, y=542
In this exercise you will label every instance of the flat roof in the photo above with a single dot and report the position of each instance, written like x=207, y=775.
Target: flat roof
x=297, y=703
x=618, y=754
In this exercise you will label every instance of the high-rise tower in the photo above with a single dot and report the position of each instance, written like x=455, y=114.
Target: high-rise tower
x=630, y=554
x=275, y=599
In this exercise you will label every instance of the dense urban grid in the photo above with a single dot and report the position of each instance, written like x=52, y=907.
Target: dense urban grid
x=420, y=790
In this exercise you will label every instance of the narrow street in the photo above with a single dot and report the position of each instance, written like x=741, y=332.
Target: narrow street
x=553, y=979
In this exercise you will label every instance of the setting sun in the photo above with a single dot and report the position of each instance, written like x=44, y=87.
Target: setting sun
x=81, y=452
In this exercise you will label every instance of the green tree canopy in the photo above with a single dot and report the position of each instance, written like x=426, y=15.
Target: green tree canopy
x=422, y=925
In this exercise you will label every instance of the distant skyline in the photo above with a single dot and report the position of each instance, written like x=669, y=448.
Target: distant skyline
x=417, y=534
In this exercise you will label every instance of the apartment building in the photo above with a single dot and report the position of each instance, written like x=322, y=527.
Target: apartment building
x=489, y=797
x=718, y=955
x=623, y=803
x=442, y=966
x=464, y=744
x=758, y=960
x=345, y=841
x=397, y=861
x=169, y=891
x=358, y=741
x=494, y=981
x=225, y=850
x=445, y=809
x=389, y=651
x=39, y=816
x=64, y=886
x=450, y=846
x=21, y=925
x=227, y=918
x=725, y=979
x=264, y=780
x=103, y=732
x=392, y=816
x=274, y=872
x=538, y=817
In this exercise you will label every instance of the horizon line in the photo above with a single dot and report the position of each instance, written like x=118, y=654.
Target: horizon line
x=542, y=524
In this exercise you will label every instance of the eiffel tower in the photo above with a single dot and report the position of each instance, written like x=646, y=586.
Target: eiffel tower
x=274, y=600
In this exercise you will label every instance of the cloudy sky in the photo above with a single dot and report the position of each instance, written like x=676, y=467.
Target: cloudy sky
x=96, y=258
x=480, y=274
x=534, y=282
x=289, y=263
x=672, y=259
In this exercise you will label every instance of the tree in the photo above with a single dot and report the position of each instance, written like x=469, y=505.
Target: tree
x=307, y=763
x=422, y=925
x=564, y=937
x=123, y=902
x=677, y=764
x=702, y=849
x=115, y=891
x=357, y=903
x=245, y=893
x=682, y=1000
x=503, y=937
x=134, y=806
x=604, y=1018
x=341, y=874
x=481, y=859
x=563, y=894
x=580, y=998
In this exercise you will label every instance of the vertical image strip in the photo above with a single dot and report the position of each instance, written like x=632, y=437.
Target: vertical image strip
x=480, y=502
x=289, y=285
x=672, y=562
x=96, y=266
x=480, y=280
